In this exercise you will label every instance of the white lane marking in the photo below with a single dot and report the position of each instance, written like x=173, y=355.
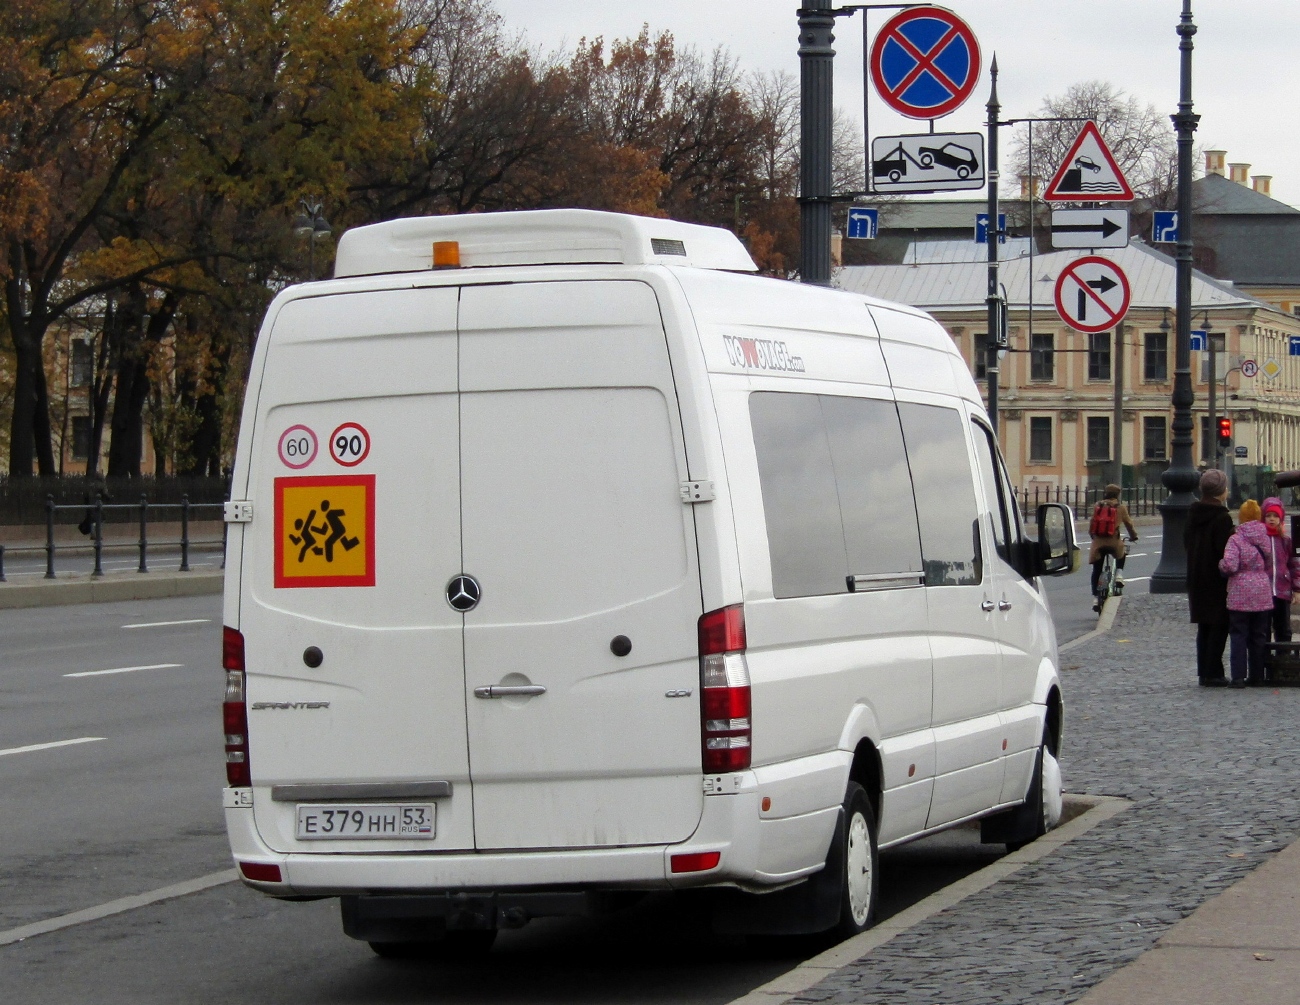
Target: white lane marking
x=50, y=746
x=118, y=906
x=101, y=673
x=1137, y=579
x=167, y=624
x=1131, y=554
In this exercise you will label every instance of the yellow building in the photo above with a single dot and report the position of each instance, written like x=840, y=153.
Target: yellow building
x=1057, y=386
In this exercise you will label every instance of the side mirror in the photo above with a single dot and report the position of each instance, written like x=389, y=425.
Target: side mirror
x=1057, y=553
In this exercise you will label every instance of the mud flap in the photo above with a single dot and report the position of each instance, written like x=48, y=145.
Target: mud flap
x=1020, y=824
x=805, y=909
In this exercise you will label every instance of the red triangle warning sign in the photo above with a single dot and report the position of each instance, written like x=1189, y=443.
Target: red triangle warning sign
x=1089, y=172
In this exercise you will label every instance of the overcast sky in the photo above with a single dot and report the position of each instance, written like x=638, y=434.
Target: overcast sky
x=1247, y=72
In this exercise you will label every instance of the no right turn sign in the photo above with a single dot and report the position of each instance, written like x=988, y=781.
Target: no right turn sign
x=1092, y=294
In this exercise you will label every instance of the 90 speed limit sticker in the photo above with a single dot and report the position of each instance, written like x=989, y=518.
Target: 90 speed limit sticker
x=349, y=444
x=297, y=447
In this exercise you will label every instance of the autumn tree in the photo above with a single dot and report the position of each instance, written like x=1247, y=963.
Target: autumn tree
x=85, y=90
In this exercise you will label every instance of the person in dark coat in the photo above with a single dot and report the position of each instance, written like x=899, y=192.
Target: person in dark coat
x=1209, y=527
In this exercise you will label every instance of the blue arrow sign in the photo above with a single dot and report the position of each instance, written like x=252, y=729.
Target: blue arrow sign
x=863, y=223
x=982, y=228
x=1199, y=340
x=1164, y=228
x=1293, y=345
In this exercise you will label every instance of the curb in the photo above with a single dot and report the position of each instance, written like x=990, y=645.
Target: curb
x=113, y=587
x=813, y=971
x=1104, y=625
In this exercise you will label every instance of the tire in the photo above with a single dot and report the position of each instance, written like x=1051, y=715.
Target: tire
x=457, y=945
x=860, y=867
x=963, y=172
x=927, y=160
x=1042, y=809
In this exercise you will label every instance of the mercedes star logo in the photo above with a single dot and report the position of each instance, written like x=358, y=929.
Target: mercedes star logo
x=463, y=593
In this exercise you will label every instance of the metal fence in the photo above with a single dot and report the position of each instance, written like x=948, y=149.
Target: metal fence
x=95, y=515
x=22, y=500
x=1142, y=500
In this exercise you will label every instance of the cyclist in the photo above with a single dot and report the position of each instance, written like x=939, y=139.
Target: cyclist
x=1107, y=518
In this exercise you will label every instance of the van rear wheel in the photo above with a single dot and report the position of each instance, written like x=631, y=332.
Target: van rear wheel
x=860, y=864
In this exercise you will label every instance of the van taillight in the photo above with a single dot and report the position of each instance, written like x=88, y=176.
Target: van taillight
x=234, y=710
x=726, y=729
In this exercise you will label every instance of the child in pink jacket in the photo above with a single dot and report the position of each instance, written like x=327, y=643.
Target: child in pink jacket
x=1286, y=567
x=1248, y=563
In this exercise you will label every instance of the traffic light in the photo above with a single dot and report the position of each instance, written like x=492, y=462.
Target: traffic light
x=1225, y=431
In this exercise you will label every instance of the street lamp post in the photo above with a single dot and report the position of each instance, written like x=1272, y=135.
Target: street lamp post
x=311, y=225
x=1181, y=478
x=816, y=128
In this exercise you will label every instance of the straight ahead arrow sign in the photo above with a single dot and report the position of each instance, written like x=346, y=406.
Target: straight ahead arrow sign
x=1089, y=228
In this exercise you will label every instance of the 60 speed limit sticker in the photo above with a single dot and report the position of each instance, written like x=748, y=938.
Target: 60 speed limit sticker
x=297, y=447
x=349, y=444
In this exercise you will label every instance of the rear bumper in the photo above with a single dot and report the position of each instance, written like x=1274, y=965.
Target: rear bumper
x=726, y=826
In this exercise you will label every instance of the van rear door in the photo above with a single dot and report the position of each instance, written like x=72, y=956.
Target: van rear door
x=575, y=531
x=376, y=373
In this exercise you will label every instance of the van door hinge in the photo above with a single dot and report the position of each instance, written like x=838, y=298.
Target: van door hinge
x=697, y=492
x=239, y=512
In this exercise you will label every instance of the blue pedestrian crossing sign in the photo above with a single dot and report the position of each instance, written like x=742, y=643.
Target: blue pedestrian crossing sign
x=1293, y=345
x=982, y=228
x=1200, y=340
x=1164, y=228
x=863, y=223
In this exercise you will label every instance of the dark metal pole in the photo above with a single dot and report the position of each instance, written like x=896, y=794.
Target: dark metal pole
x=993, y=235
x=144, y=535
x=1117, y=364
x=816, y=128
x=49, y=537
x=866, y=101
x=99, y=534
x=185, y=533
x=1180, y=478
x=1214, y=409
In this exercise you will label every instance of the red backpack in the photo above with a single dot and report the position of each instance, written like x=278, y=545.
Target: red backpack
x=1105, y=520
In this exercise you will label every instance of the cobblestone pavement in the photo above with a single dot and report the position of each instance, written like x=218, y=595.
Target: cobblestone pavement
x=1214, y=774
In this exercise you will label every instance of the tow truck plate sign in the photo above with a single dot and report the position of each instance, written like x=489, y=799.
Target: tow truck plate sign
x=927, y=162
x=325, y=531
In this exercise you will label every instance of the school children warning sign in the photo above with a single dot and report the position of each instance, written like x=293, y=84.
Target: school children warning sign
x=325, y=531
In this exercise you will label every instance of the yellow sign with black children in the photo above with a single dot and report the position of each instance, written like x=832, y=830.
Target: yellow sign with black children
x=325, y=531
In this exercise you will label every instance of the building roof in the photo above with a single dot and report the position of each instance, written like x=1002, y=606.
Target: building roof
x=964, y=285
x=938, y=214
x=1215, y=195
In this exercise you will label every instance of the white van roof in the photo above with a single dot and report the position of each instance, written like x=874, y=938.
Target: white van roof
x=539, y=237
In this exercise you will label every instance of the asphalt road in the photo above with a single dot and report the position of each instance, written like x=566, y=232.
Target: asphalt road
x=135, y=806
x=1071, y=596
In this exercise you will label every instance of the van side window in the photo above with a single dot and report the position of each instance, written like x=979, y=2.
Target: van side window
x=804, y=532
x=836, y=493
x=945, y=494
x=985, y=452
x=880, y=532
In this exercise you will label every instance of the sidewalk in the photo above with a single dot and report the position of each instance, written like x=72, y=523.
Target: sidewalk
x=1135, y=910
x=1242, y=946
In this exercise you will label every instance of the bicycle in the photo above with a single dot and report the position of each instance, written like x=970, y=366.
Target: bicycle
x=1108, y=584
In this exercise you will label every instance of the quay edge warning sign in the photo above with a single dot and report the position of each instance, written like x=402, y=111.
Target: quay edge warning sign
x=325, y=531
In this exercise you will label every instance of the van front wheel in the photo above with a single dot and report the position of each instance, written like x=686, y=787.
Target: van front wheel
x=860, y=864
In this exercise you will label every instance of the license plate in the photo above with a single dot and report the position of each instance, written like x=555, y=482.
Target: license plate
x=366, y=821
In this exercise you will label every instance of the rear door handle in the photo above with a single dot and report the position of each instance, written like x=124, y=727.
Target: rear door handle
x=508, y=690
x=1004, y=605
x=987, y=606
